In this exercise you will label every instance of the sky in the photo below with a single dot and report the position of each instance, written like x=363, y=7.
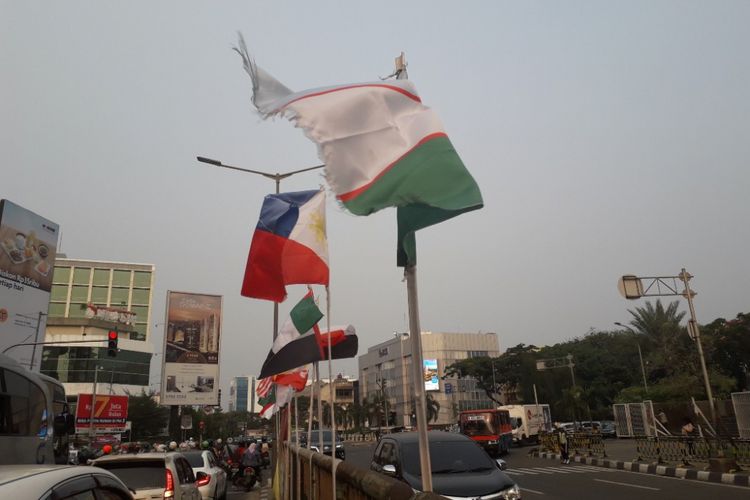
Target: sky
x=608, y=138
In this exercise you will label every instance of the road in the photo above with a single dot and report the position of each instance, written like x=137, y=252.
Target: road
x=549, y=480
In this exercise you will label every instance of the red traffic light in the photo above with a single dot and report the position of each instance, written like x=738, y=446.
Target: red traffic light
x=112, y=335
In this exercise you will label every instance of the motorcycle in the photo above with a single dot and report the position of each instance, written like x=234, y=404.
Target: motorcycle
x=245, y=477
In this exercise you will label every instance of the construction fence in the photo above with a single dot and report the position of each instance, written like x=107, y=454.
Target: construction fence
x=585, y=444
x=688, y=449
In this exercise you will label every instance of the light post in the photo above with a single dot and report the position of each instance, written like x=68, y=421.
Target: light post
x=640, y=355
x=277, y=177
x=404, y=378
x=92, y=430
x=494, y=384
x=634, y=287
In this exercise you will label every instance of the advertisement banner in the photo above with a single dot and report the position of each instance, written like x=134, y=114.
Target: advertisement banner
x=28, y=243
x=190, y=373
x=431, y=382
x=110, y=415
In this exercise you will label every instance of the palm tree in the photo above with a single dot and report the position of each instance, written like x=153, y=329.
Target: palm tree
x=661, y=327
x=432, y=408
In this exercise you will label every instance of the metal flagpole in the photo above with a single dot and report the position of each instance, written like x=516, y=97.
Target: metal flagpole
x=288, y=459
x=410, y=272
x=296, y=442
x=310, y=419
x=320, y=408
x=331, y=395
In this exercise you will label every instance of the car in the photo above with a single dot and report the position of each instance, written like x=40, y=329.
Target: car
x=460, y=467
x=213, y=485
x=568, y=427
x=327, y=443
x=60, y=481
x=608, y=429
x=154, y=475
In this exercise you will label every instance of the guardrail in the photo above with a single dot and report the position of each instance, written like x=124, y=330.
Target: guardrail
x=686, y=448
x=315, y=473
x=589, y=444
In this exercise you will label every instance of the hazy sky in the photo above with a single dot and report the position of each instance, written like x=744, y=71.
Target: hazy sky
x=607, y=138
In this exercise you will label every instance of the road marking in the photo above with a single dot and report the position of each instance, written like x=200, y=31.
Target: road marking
x=532, y=491
x=627, y=484
x=526, y=471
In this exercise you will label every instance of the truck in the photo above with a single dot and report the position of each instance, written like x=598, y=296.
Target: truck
x=528, y=421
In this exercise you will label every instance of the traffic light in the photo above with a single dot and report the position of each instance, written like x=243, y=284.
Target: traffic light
x=112, y=343
x=219, y=398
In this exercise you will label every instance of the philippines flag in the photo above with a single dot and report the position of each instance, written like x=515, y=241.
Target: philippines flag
x=289, y=245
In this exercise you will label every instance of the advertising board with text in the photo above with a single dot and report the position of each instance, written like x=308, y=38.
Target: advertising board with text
x=190, y=373
x=28, y=243
x=110, y=414
x=431, y=382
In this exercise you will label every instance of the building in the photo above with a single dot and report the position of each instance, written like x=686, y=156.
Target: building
x=386, y=368
x=346, y=387
x=242, y=396
x=89, y=298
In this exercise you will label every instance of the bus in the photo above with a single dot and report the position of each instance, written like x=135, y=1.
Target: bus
x=27, y=426
x=64, y=422
x=489, y=428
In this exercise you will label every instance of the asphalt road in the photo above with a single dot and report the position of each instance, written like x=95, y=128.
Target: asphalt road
x=547, y=480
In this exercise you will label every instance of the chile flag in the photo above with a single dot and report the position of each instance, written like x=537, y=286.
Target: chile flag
x=289, y=245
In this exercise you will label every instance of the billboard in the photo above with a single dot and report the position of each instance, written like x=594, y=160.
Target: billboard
x=430, y=371
x=28, y=243
x=110, y=414
x=190, y=373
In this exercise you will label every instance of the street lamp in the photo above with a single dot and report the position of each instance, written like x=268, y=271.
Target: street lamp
x=640, y=356
x=277, y=177
x=633, y=287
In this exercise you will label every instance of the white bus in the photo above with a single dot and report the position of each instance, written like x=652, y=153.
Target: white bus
x=26, y=407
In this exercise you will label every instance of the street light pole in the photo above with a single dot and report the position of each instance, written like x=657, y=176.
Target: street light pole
x=277, y=177
x=640, y=355
x=92, y=430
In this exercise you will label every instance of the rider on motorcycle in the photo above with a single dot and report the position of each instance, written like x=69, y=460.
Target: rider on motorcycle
x=252, y=458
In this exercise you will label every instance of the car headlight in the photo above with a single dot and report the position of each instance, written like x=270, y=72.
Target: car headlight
x=315, y=448
x=512, y=493
x=339, y=446
x=492, y=442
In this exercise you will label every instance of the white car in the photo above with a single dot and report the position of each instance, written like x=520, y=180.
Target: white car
x=154, y=475
x=46, y=482
x=213, y=485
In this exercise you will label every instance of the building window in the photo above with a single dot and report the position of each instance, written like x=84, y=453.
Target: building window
x=79, y=294
x=59, y=293
x=61, y=275
x=140, y=332
x=99, y=295
x=81, y=276
x=142, y=279
x=141, y=313
x=141, y=297
x=76, y=364
x=478, y=354
x=56, y=310
x=119, y=297
x=121, y=278
x=101, y=277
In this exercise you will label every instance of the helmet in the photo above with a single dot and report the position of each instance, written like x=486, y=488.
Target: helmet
x=204, y=444
x=218, y=441
x=172, y=445
x=107, y=449
x=230, y=440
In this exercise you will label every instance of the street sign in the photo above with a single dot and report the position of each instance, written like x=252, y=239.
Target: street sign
x=630, y=287
x=448, y=388
x=186, y=422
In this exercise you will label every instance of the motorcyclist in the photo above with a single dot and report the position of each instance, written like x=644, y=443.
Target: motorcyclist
x=252, y=458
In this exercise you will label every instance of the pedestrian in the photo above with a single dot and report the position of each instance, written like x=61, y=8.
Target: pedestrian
x=688, y=434
x=562, y=441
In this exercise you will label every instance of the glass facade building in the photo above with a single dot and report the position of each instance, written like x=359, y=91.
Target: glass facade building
x=78, y=284
x=386, y=369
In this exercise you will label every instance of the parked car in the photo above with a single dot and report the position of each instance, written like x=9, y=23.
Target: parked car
x=154, y=475
x=568, y=427
x=60, y=481
x=460, y=467
x=213, y=485
x=327, y=443
x=608, y=429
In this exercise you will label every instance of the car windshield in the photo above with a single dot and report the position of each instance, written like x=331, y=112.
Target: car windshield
x=479, y=424
x=326, y=436
x=447, y=457
x=140, y=475
x=195, y=459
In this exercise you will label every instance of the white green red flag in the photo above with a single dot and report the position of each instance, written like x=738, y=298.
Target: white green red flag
x=382, y=148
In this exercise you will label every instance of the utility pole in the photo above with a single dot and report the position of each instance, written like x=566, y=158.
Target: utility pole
x=92, y=430
x=36, y=340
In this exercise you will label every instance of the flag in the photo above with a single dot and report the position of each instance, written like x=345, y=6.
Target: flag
x=264, y=386
x=305, y=349
x=381, y=146
x=289, y=245
x=276, y=399
x=296, y=379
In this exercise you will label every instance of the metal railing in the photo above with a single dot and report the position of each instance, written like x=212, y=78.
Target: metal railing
x=687, y=449
x=588, y=444
x=314, y=479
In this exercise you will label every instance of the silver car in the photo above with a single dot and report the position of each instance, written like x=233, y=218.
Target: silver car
x=44, y=482
x=153, y=475
x=213, y=481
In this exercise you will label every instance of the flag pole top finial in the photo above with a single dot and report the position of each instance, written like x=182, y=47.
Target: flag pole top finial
x=400, y=64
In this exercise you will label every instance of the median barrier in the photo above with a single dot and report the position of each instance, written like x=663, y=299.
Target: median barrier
x=685, y=449
x=589, y=444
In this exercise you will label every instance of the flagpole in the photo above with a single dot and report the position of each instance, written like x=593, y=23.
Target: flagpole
x=320, y=408
x=415, y=333
x=331, y=394
x=288, y=460
x=310, y=418
x=296, y=442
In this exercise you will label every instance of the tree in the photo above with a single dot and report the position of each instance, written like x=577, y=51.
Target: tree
x=727, y=346
x=432, y=408
x=147, y=418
